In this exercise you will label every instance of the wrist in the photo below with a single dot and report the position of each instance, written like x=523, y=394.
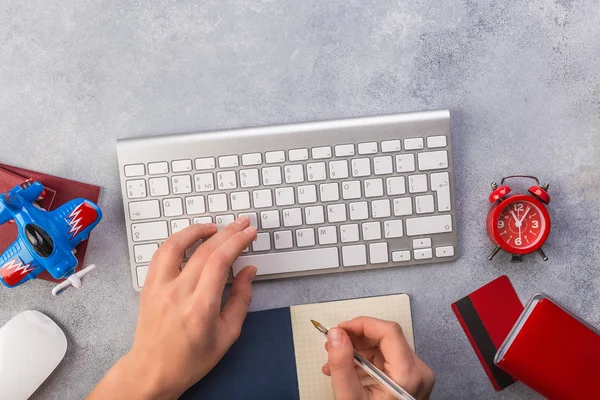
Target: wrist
x=147, y=375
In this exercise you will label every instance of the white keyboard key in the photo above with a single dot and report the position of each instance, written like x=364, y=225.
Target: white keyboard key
x=380, y=208
x=271, y=176
x=179, y=224
x=444, y=251
x=307, y=194
x=336, y=213
x=405, y=163
x=367, y=148
x=349, y=233
x=194, y=205
x=417, y=183
x=204, y=182
x=402, y=255
x=172, y=207
x=351, y=190
x=371, y=231
x=392, y=229
x=283, y=240
x=378, y=253
x=327, y=235
x=395, y=185
x=422, y=254
x=133, y=170
x=329, y=192
x=359, y=211
x=136, y=188
x=433, y=160
x=145, y=231
x=403, y=206
x=383, y=165
x=440, y=185
x=181, y=184
x=142, y=273
x=249, y=178
x=158, y=168
x=217, y=202
x=252, y=159
x=294, y=173
x=361, y=167
x=314, y=215
x=205, y=163
x=240, y=200
x=284, y=196
x=143, y=252
x=270, y=219
x=261, y=243
x=292, y=217
x=293, y=261
x=226, y=180
x=354, y=255
x=321, y=152
x=252, y=217
x=436, y=141
x=305, y=237
x=390, y=146
x=316, y=171
x=344, y=150
x=373, y=187
x=202, y=220
x=413, y=144
x=422, y=243
x=298, y=154
x=159, y=186
x=424, y=204
x=338, y=169
x=262, y=198
x=229, y=161
x=144, y=210
x=272, y=157
x=181, y=165
x=428, y=225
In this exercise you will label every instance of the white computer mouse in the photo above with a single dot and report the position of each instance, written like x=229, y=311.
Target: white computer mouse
x=31, y=347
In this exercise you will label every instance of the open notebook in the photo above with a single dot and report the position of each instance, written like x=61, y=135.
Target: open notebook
x=280, y=353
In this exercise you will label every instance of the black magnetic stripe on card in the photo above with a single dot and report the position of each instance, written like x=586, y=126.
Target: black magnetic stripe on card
x=482, y=340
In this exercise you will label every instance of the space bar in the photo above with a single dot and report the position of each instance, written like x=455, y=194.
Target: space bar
x=292, y=261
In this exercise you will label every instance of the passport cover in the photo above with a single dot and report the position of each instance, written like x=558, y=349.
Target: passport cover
x=554, y=352
x=487, y=315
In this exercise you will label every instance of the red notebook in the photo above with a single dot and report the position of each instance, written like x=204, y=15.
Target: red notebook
x=553, y=352
x=58, y=192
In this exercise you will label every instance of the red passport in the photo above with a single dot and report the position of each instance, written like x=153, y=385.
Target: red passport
x=553, y=352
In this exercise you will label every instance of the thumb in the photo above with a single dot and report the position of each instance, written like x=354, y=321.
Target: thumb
x=344, y=379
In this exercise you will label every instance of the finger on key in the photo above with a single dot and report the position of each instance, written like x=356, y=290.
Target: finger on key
x=165, y=263
x=195, y=265
x=218, y=265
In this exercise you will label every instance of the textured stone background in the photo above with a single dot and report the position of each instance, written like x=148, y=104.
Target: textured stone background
x=522, y=80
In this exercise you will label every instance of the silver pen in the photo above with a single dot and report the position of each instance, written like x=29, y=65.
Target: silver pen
x=373, y=371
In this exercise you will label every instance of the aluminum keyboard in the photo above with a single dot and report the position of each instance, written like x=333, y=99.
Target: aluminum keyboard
x=330, y=196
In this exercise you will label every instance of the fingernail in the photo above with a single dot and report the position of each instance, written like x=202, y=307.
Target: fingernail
x=334, y=337
x=212, y=226
x=250, y=230
x=252, y=273
x=242, y=219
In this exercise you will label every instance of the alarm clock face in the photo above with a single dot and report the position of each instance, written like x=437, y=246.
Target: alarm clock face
x=522, y=224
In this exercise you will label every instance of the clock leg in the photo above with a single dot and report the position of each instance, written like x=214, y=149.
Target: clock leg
x=544, y=256
x=516, y=258
x=494, y=252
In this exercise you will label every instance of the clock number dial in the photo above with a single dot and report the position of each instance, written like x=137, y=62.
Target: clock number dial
x=521, y=224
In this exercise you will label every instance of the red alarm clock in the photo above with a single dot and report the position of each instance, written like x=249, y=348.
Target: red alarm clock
x=518, y=224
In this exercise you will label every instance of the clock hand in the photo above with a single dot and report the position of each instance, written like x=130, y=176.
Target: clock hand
x=514, y=216
x=525, y=214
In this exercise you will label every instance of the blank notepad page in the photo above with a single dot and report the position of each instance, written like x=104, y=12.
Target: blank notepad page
x=309, y=342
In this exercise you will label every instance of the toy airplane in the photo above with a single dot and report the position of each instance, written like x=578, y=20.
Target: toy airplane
x=46, y=240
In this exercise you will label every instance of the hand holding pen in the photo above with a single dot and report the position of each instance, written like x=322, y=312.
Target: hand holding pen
x=383, y=344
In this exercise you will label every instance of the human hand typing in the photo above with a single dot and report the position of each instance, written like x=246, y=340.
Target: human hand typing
x=382, y=343
x=182, y=330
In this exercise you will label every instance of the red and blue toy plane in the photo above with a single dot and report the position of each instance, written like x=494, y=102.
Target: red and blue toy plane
x=46, y=240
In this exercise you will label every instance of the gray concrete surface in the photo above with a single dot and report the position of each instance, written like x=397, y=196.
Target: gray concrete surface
x=522, y=80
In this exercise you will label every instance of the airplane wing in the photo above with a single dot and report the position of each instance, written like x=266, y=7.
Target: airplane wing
x=75, y=219
x=17, y=265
